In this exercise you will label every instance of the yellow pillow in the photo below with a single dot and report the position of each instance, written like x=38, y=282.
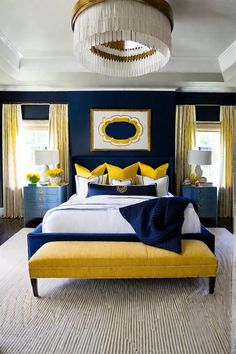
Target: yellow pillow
x=148, y=171
x=84, y=172
x=121, y=174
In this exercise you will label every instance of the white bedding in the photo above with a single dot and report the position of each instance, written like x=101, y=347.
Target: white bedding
x=100, y=214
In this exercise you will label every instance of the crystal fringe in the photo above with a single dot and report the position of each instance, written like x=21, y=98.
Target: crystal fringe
x=116, y=20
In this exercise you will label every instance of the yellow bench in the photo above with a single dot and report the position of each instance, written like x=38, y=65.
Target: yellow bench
x=98, y=259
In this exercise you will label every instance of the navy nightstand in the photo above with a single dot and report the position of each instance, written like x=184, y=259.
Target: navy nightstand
x=39, y=199
x=205, y=199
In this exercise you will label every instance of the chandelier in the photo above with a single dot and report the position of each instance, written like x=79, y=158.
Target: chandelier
x=122, y=38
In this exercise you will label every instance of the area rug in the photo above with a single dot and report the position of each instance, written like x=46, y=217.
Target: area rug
x=161, y=316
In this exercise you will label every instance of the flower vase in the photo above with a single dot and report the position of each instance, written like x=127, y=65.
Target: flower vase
x=55, y=180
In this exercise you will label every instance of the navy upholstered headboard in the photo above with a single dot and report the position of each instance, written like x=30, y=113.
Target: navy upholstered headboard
x=92, y=162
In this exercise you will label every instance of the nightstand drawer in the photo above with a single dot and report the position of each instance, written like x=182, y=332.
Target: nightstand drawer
x=40, y=191
x=41, y=206
x=38, y=200
x=35, y=213
x=205, y=199
x=42, y=198
x=207, y=211
x=206, y=193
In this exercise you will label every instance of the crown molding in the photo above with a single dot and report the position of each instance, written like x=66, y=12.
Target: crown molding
x=64, y=73
x=210, y=89
x=63, y=89
x=227, y=62
x=10, y=57
x=63, y=64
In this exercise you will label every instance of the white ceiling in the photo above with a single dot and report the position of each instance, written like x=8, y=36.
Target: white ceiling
x=36, y=48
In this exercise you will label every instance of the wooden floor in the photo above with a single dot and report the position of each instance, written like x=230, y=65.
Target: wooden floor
x=8, y=227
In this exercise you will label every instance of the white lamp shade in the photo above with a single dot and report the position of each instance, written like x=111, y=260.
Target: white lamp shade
x=199, y=157
x=46, y=157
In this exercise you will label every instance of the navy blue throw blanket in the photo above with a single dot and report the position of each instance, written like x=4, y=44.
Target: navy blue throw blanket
x=158, y=222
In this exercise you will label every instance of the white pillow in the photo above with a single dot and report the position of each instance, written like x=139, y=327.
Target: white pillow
x=117, y=182
x=82, y=184
x=191, y=222
x=162, y=184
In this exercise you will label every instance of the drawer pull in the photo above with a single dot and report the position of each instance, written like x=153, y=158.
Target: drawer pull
x=41, y=191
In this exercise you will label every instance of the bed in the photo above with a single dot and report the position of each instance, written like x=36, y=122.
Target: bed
x=39, y=237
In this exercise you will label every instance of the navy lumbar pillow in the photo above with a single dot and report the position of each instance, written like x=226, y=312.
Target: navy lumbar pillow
x=98, y=189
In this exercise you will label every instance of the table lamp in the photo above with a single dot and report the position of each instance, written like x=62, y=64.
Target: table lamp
x=199, y=157
x=45, y=158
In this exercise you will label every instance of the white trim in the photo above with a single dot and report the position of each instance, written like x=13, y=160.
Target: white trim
x=66, y=89
x=1, y=212
x=197, y=89
x=10, y=57
x=228, y=57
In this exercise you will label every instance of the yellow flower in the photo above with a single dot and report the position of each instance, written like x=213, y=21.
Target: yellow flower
x=193, y=177
x=33, y=177
x=56, y=172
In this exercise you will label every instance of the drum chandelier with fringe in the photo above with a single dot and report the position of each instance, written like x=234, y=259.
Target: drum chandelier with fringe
x=122, y=38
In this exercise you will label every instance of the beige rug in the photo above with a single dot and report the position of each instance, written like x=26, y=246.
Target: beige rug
x=113, y=316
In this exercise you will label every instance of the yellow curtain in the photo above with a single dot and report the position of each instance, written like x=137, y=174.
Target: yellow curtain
x=12, y=189
x=185, y=140
x=228, y=117
x=58, y=135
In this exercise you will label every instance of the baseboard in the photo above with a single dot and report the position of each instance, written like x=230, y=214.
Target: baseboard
x=1, y=212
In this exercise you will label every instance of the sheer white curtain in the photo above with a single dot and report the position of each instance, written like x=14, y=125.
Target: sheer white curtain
x=59, y=136
x=11, y=143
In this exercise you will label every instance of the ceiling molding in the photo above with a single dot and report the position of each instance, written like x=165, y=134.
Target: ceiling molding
x=199, y=89
x=62, y=89
x=227, y=62
x=10, y=57
x=64, y=64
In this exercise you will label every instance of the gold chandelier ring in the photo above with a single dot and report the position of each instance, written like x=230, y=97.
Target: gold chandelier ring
x=162, y=5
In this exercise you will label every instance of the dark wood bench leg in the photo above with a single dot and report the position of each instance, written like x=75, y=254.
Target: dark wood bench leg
x=34, y=287
x=212, y=281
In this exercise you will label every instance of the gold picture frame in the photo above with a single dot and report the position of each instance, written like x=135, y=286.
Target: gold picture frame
x=139, y=119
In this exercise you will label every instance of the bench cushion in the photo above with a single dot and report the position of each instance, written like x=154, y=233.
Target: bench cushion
x=97, y=259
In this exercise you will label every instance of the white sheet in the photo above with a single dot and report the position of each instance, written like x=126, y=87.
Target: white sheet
x=100, y=214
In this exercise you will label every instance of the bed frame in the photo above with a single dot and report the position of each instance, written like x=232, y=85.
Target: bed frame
x=37, y=238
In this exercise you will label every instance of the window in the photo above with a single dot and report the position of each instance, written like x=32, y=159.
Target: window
x=35, y=135
x=208, y=135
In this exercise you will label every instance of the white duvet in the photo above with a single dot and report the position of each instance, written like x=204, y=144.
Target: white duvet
x=100, y=214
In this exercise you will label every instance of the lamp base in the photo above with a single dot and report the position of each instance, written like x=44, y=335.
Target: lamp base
x=44, y=179
x=198, y=171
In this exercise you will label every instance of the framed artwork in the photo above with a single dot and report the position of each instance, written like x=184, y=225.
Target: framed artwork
x=120, y=129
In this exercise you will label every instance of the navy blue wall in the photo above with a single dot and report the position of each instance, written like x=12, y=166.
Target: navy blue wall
x=162, y=105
